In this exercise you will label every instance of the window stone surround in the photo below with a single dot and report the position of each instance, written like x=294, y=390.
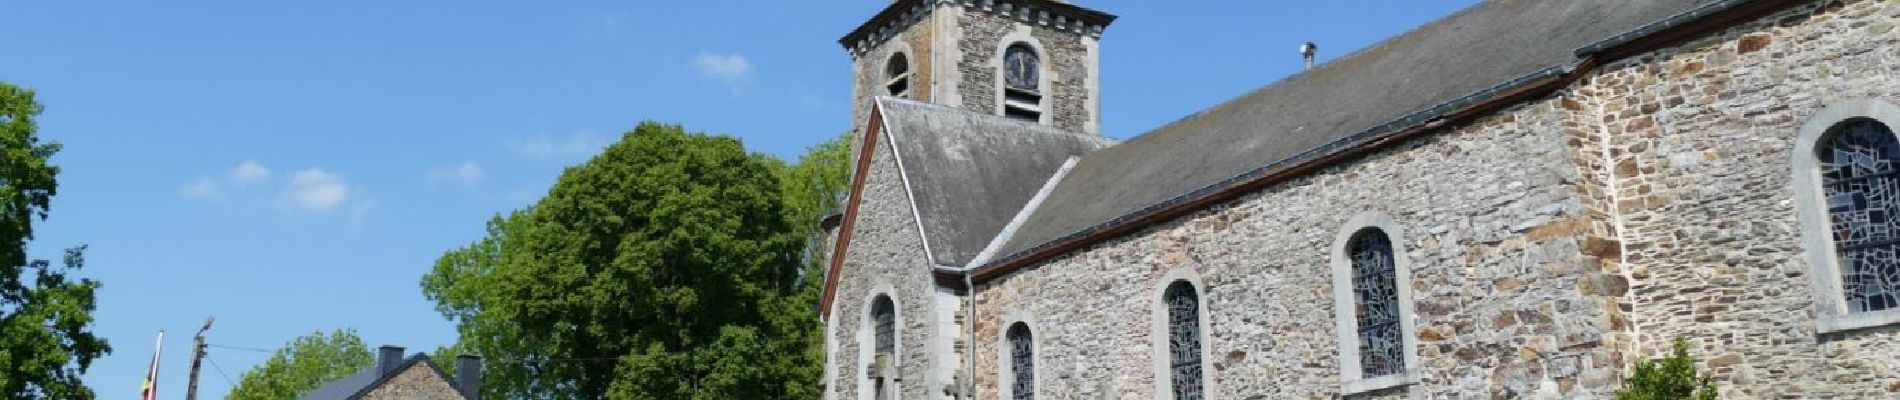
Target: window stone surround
x=1159, y=326
x=867, y=340
x=1830, y=308
x=1007, y=374
x=1352, y=380
x=1024, y=35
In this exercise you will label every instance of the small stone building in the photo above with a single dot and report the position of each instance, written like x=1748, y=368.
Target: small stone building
x=395, y=377
x=1518, y=200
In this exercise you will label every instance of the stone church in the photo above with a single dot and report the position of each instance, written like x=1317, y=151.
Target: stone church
x=1519, y=200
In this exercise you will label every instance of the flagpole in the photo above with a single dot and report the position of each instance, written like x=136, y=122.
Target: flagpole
x=149, y=390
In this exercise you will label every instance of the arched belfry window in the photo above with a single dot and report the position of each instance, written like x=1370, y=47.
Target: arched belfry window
x=1022, y=362
x=883, y=368
x=1184, y=340
x=1022, y=83
x=1860, y=180
x=1376, y=304
x=897, y=76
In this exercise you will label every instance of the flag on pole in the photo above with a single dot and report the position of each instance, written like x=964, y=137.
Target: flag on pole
x=149, y=389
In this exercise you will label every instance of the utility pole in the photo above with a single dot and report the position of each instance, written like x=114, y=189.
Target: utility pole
x=197, y=359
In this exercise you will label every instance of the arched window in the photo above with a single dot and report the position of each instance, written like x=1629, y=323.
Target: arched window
x=897, y=76
x=1376, y=300
x=1022, y=82
x=884, y=357
x=1860, y=180
x=1184, y=340
x=1846, y=179
x=1372, y=306
x=1022, y=362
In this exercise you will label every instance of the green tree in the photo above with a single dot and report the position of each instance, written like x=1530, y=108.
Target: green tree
x=667, y=267
x=444, y=356
x=814, y=188
x=45, y=316
x=1671, y=378
x=304, y=365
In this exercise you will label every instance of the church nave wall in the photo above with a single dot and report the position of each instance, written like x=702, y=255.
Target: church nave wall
x=1701, y=137
x=1491, y=223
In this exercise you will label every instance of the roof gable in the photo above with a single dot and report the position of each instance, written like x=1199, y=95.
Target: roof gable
x=969, y=173
x=364, y=381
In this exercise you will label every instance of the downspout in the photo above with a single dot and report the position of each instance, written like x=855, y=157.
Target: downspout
x=969, y=322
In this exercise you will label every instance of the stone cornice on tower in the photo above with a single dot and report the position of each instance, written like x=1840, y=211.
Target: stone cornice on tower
x=1052, y=14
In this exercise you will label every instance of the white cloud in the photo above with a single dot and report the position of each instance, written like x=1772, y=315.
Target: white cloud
x=218, y=187
x=316, y=190
x=734, y=70
x=309, y=189
x=249, y=172
x=467, y=173
x=203, y=188
x=579, y=144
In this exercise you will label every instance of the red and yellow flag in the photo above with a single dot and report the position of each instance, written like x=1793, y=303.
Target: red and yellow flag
x=149, y=389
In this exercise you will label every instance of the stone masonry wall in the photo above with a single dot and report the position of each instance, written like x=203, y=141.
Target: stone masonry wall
x=1698, y=157
x=885, y=249
x=1066, y=99
x=1551, y=245
x=867, y=70
x=1507, y=305
x=418, y=382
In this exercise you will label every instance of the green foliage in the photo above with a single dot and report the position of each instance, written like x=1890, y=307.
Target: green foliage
x=444, y=356
x=45, y=341
x=304, y=365
x=814, y=188
x=1671, y=378
x=667, y=267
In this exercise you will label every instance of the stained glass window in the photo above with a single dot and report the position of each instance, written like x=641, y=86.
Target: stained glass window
x=1860, y=174
x=1376, y=301
x=1184, y=340
x=1022, y=362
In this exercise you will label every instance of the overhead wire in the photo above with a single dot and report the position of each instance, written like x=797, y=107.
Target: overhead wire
x=215, y=367
x=240, y=348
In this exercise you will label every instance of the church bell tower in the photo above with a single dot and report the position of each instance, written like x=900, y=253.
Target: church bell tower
x=1036, y=61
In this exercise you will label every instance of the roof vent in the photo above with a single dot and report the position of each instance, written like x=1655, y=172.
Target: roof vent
x=1309, y=51
x=388, y=358
x=468, y=376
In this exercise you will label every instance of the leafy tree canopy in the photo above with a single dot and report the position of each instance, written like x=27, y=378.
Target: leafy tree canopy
x=304, y=365
x=671, y=266
x=1670, y=378
x=45, y=316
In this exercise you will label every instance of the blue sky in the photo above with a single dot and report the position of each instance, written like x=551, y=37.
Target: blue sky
x=294, y=167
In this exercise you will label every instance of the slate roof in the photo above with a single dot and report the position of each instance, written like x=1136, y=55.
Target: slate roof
x=970, y=172
x=358, y=384
x=1481, y=47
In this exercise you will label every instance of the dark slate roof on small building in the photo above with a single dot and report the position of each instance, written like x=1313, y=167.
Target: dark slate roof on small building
x=360, y=383
x=1481, y=47
x=347, y=386
x=970, y=172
